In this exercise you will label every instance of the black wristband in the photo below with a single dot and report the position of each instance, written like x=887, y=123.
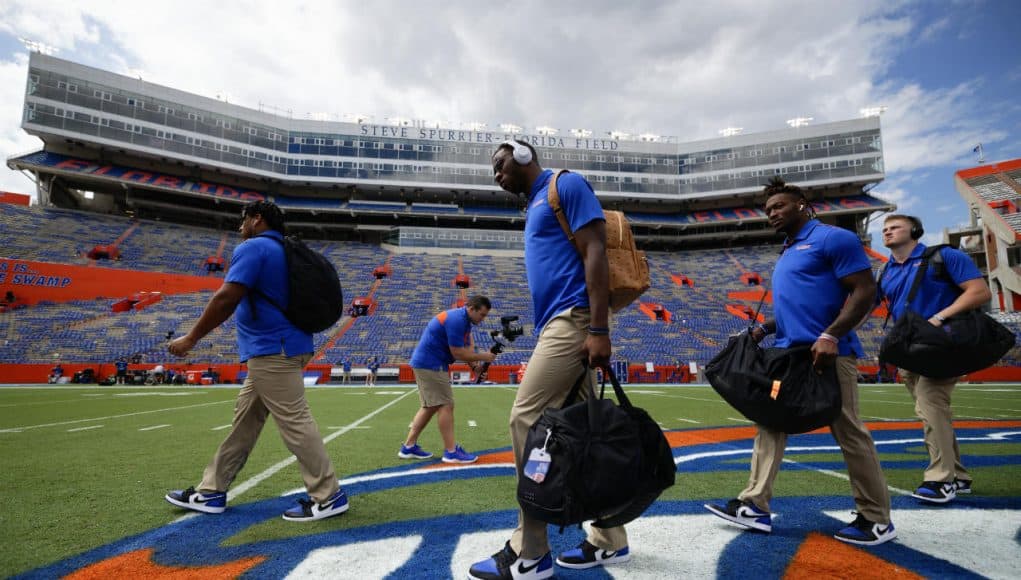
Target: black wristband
x=595, y=331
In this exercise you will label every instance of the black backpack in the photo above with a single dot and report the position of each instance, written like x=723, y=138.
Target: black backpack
x=775, y=387
x=607, y=462
x=316, y=298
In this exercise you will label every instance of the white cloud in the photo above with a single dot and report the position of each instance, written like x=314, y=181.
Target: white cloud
x=665, y=67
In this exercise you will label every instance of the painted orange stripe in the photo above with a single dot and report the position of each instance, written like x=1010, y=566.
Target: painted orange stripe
x=139, y=564
x=727, y=434
x=823, y=557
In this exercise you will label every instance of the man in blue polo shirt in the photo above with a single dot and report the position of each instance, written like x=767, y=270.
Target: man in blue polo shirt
x=569, y=284
x=958, y=288
x=445, y=339
x=822, y=288
x=276, y=352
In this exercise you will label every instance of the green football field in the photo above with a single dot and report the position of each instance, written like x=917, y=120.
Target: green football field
x=87, y=466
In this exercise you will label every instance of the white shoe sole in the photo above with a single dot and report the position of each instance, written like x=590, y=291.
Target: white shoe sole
x=939, y=500
x=411, y=456
x=586, y=565
x=197, y=507
x=765, y=528
x=459, y=461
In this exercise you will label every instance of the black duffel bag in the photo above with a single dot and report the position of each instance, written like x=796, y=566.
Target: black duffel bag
x=962, y=344
x=775, y=387
x=593, y=460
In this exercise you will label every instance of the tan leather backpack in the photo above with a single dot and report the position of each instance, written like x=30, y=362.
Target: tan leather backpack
x=629, y=269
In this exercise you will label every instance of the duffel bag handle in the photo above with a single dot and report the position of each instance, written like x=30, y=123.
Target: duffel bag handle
x=618, y=390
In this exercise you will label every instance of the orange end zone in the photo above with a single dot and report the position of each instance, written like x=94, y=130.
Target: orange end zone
x=823, y=557
x=139, y=564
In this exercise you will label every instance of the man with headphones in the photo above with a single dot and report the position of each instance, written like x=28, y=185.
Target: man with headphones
x=569, y=284
x=958, y=288
x=822, y=288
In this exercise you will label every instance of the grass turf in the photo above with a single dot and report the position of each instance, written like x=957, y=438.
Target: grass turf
x=71, y=486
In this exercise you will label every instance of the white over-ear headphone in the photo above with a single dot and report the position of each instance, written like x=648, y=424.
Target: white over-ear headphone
x=522, y=154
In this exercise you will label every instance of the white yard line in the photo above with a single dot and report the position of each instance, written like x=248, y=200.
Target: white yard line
x=687, y=420
x=84, y=428
x=154, y=427
x=472, y=423
x=114, y=416
x=221, y=427
x=739, y=420
x=839, y=475
x=273, y=469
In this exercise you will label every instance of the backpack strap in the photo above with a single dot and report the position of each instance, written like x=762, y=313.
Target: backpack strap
x=931, y=255
x=553, y=198
x=255, y=291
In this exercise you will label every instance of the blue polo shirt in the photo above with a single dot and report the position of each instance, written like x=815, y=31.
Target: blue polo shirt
x=347, y=365
x=446, y=329
x=935, y=293
x=807, y=295
x=556, y=274
x=259, y=264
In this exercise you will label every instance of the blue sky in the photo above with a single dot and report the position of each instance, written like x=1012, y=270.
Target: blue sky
x=947, y=71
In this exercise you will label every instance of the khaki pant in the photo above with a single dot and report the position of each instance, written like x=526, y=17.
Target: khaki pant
x=932, y=405
x=553, y=369
x=868, y=485
x=274, y=386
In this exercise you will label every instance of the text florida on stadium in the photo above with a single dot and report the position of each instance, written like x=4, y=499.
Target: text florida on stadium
x=139, y=189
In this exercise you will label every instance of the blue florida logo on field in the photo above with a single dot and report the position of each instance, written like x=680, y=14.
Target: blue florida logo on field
x=971, y=536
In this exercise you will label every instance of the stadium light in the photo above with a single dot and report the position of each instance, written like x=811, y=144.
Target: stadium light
x=41, y=48
x=318, y=116
x=476, y=126
x=356, y=118
x=800, y=121
x=511, y=127
x=398, y=121
x=618, y=135
x=731, y=131
x=871, y=111
x=545, y=130
x=650, y=137
x=581, y=133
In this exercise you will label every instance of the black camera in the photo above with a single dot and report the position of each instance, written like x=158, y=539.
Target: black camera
x=508, y=332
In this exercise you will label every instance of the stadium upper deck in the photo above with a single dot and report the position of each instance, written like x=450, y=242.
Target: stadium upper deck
x=154, y=134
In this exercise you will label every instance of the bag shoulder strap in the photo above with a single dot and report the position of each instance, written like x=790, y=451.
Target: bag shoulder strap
x=553, y=198
x=263, y=295
x=930, y=255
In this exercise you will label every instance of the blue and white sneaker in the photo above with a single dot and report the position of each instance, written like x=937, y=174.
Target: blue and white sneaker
x=189, y=499
x=588, y=556
x=936, y=491
x=309, y=510
x=743, y=514
x=413, y=452
x=506, y=565
x=459, y=455
x=863, y=532
x=962, y=486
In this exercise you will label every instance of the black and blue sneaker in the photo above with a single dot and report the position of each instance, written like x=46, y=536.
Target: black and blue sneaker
x=962, y=486
x=506, y=565
x=937, y=491
x=308, y=510
x=743, y=514
x=864, y=532
x=210, y=503
x=588, y=556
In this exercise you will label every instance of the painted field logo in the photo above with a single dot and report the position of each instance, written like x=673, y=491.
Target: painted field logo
x=972, y=536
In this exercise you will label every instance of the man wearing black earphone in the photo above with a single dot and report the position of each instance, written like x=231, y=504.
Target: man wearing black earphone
x=959, y=288
x=822, y=288
x=569, y=284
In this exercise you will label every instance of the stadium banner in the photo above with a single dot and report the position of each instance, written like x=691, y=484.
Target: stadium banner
x=14, y=198
x=31, y=282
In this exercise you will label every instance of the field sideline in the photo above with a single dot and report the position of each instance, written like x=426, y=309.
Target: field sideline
x=87, y=467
